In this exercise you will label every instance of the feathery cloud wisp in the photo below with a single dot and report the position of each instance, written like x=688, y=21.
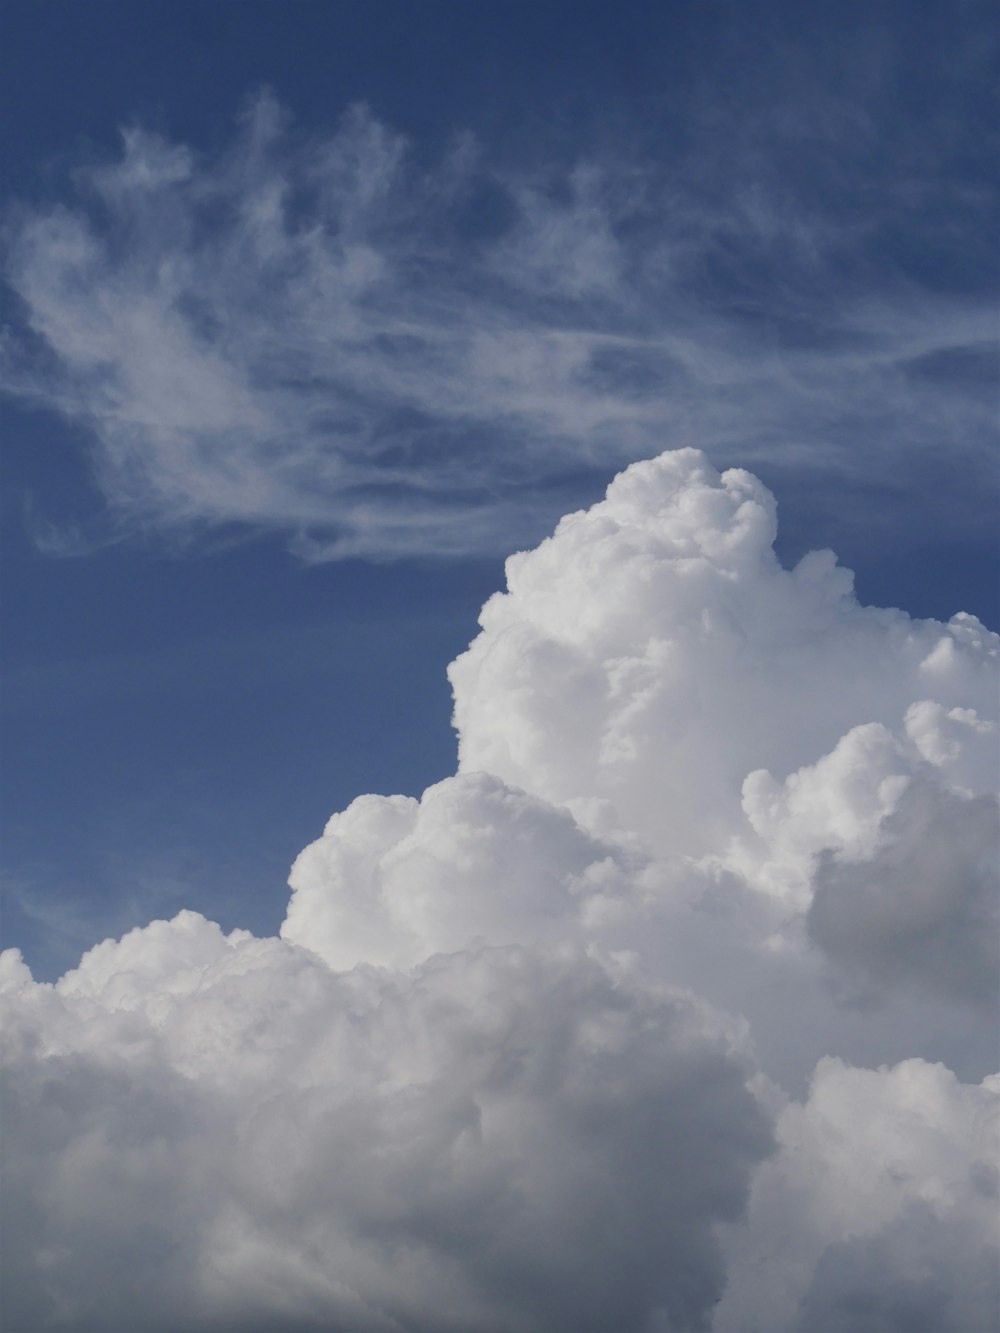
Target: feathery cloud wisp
x=379, y=356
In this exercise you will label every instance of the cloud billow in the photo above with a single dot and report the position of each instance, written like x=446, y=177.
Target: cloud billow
x=575, y=1040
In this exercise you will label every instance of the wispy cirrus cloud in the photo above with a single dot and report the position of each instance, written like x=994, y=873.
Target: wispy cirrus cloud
x=329, y=337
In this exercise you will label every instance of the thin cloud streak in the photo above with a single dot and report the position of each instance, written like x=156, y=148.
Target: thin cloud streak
x=378, y=357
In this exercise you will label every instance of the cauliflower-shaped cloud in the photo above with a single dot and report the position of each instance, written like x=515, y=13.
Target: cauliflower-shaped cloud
x=878, y=1212
x=498, y=1139
x=707, y=915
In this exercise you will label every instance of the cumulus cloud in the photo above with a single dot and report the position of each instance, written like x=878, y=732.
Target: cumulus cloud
x=466, y=1145
x=924, y=906
x=380, y=354
x=879, y=1211
x=388, y=883
x=654, y=657
x=673, y=1009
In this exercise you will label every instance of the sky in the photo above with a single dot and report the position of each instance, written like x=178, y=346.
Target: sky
x=649, y=882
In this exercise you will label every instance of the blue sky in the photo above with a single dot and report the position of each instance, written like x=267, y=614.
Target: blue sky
x=313, y=313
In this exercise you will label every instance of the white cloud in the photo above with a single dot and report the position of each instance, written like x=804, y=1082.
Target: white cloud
x=718, y=860
x=879, y=1211
x=652, y=666
x=331, y=339
x=389, y=882
x=655, y=655
x=923, y=908
x=465, y=1146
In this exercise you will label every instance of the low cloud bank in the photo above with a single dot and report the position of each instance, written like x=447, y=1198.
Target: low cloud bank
x=674, y=1009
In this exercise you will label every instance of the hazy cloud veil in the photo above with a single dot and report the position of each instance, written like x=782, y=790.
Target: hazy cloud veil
x=674, y=1009
x=380, y=352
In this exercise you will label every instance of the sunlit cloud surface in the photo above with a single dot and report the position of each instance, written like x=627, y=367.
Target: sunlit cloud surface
x=672, y=1009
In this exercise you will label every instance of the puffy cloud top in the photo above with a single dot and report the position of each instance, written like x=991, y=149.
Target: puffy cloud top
x=654, y=654
x=673, y=1009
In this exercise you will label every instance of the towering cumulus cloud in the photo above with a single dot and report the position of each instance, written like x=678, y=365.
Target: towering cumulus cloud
x=672, y=1010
